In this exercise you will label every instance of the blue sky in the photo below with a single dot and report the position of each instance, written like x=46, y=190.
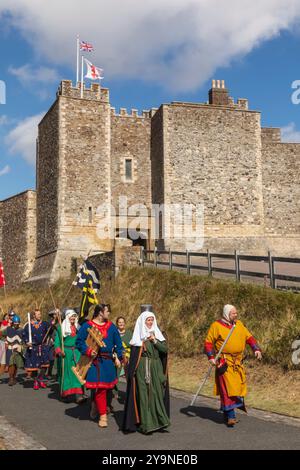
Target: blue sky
x=262, y=71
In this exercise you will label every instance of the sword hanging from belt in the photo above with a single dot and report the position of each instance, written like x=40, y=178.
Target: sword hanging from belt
x=211, y=365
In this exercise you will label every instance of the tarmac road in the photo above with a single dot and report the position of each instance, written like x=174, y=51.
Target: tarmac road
x=56, y=425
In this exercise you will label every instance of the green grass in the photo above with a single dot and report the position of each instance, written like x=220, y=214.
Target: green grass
x=185, y=307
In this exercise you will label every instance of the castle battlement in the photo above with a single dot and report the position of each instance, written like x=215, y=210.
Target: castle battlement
x=146, y=114
x=95, y=92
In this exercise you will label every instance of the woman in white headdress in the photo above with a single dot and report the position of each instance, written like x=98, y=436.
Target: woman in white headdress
x=67, y=357
x=230, y=379
x=147, y=407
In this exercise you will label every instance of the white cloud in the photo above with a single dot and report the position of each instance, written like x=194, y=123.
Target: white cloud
x=30, y=74
x=5, y=170
x=22, y=139
x=290, y=134
x=177, y=43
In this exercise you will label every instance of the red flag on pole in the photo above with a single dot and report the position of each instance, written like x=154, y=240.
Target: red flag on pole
x=2, y=278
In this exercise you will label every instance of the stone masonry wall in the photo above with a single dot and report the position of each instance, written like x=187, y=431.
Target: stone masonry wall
x=84, y=169
x=47, y=172
x=157, y=157
x=19, y=237
x=183, y=153
x=281, y=176
x=130, y=139
x=213, y=154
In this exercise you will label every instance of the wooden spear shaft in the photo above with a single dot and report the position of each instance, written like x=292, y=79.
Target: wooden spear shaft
x=62, y=341
x=211, y=366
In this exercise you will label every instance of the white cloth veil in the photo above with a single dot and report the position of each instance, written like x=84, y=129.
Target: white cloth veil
x=142, y=332
x=66, y=325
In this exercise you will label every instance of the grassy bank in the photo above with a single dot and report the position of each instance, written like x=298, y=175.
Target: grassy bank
x=185, y=306
x=269, y=387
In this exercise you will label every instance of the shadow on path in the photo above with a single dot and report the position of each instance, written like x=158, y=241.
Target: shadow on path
x=204, y=413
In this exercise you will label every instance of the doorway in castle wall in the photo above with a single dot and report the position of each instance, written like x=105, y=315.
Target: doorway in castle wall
x=138, y=237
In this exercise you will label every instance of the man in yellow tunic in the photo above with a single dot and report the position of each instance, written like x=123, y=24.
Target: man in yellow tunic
x=230, y=378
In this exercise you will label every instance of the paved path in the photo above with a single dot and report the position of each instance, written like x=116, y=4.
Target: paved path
x=56, y=425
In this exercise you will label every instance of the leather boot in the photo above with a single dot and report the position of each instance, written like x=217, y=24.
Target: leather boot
x=94, y=412
x=103, y=421
x=11, y=371
x=15, y=373
x=231, y=422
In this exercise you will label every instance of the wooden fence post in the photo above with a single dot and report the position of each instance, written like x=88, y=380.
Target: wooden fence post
x=271, y=270
x=155, y=256
x=142, y=256
x=237, y=266
x=209, y=263
x=188, y=268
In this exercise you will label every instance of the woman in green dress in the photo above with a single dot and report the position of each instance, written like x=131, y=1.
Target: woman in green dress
x=147, y=407
x=67, y=357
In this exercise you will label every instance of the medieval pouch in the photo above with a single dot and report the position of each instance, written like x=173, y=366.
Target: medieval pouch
x=222, y=367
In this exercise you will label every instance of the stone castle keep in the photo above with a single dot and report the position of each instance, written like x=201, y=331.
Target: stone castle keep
x=87, y=154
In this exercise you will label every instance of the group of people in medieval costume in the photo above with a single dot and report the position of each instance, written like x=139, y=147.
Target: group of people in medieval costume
x=140, y=357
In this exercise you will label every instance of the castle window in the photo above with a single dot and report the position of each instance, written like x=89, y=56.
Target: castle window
x=90, y=215
x=128, y=169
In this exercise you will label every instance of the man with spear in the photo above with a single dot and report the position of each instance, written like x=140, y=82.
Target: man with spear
x=224, y=346
x=37, y=353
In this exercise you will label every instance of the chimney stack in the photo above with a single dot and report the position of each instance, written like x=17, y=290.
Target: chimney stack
x=218, y=94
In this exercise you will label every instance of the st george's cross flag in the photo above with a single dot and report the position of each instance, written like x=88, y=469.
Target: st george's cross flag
x=2, y=278
x=93, y=72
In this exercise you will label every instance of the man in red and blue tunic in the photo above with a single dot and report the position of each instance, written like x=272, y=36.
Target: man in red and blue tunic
x=37, y=353
x=102, y=375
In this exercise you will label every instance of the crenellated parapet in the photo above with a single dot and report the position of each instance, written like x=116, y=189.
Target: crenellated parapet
x=134, y=113
x=95, y=92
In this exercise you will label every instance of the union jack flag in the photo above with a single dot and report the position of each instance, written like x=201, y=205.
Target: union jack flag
x=86, y=46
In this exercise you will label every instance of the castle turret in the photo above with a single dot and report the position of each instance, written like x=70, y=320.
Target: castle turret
x=73, y=178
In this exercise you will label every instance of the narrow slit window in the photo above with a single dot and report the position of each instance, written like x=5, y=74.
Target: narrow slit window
x=90, y=215
x=128, y=169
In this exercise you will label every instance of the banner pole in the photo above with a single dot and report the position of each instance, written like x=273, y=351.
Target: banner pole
x=77, y=67
x=81, y=94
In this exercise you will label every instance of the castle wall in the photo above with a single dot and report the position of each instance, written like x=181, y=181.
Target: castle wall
x=85, y=170
x=157, y=156
x=74, y=170
x=212, y=154
x=281, y=190
x=47, y=172
x=131, y=139
x=184, y=153
x=19, y=237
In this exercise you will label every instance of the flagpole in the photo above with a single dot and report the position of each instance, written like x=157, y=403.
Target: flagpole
x=77, y=68
x=81, y=95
